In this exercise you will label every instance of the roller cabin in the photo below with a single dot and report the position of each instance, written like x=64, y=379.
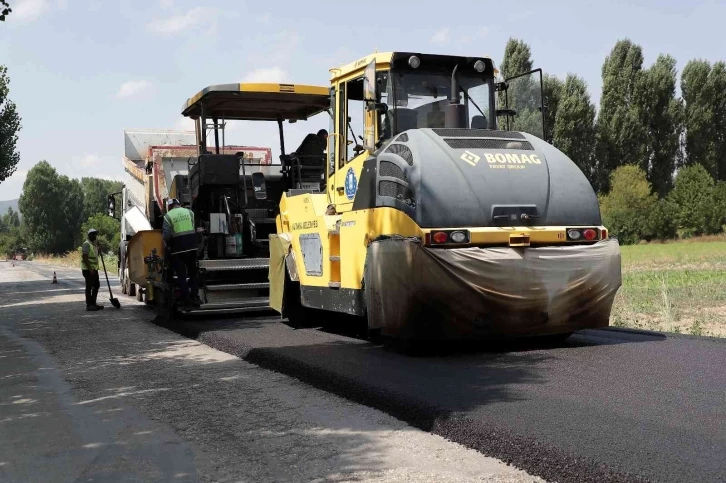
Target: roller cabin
x=444, y=213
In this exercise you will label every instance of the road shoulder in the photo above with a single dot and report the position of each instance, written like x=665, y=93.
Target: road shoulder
x=107, y=392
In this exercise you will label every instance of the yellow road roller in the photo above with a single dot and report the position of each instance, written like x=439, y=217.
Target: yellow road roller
x=443, y=213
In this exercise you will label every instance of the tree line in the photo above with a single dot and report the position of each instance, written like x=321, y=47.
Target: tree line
x=657, y=161
x=57, y=213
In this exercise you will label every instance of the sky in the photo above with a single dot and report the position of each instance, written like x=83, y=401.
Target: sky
x=83, y=70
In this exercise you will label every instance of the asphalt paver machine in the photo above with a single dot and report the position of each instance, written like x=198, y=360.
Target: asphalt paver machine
x=234, y=201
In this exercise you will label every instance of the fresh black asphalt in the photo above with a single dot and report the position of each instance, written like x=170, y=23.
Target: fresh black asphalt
x=606, y=405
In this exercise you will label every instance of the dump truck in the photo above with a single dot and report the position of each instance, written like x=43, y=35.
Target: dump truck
x=162, y=164
x=444, y=215
x=234, y=192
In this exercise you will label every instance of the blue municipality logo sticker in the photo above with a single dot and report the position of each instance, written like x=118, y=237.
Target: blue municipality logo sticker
x=351, y=184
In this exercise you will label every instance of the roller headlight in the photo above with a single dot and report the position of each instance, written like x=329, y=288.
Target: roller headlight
x=458, y=237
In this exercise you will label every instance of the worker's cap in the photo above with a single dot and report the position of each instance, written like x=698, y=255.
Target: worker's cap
x=92, y=230
x=172, y=201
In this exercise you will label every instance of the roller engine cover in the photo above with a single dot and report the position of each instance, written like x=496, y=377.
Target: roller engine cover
x=477, y=178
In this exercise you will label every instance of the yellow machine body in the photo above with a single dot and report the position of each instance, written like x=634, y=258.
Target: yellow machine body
x=142, y=245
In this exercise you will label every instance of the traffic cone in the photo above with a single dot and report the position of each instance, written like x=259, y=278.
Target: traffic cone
x=55, y=280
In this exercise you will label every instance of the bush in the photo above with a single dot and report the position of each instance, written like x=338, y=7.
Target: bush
x=718, y=213
x=663, y=221
x=631, y=211
x=699, y=202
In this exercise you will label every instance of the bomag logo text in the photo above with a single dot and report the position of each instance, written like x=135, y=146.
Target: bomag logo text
x=305, y=225
x=512, y=158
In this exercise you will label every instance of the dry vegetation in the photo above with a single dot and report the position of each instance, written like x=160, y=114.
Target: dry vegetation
x=674, y=287
x=73, y=260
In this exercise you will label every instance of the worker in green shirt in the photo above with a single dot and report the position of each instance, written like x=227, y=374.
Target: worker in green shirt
x=89, y=268
x=180, y=239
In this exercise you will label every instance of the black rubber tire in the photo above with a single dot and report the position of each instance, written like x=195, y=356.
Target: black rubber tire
x=297, y=315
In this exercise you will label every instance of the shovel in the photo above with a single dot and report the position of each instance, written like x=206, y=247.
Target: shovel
x=114, y=300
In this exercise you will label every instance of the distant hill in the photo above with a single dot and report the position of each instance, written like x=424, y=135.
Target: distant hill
x=11, y=203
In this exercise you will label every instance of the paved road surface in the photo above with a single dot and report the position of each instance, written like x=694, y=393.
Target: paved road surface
x=109, y=396
x=607, y=405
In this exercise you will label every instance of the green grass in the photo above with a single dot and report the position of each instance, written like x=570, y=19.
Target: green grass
x=674, y=287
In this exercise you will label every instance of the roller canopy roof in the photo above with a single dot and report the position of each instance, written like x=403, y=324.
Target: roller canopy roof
x=258, y=102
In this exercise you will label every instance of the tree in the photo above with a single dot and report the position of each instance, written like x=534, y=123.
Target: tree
x=694, y=195
x=52, y=209
x=552, y=91
x=620, y=135
x=661, y=115
x=12, y=242
x=95, y=195
x=698, y=113
x=9, y=128
x=630, y=210
x=109, y=231
x=704, y=93
x=10, y=220
x=524, y=93
x=717, y=85
x=574, y=129
x=5, y=10
x=517, y=58
x=12, y=237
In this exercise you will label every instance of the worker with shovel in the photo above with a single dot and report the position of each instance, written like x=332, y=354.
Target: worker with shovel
x=89, y=268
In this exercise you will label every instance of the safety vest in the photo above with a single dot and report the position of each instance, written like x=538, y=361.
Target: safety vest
x=181, y=221
x=183, y=236
x=92, y=257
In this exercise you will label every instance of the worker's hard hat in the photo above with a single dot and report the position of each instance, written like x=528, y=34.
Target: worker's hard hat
x=92, y=230
x=172, y=201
